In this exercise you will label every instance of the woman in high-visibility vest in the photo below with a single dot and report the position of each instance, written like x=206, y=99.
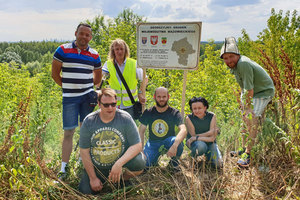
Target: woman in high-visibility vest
x=119, y=53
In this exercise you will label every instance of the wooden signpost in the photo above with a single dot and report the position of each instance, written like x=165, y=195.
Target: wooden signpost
x=169, y=46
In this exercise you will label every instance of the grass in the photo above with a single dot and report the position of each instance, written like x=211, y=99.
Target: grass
x=275, y=179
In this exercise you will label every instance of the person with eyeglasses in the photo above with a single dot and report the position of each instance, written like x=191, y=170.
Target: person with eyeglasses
x=110, y=146
x=202, y=132
x=257, y=91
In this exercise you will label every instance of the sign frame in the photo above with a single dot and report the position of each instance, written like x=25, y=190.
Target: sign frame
x=151, y=42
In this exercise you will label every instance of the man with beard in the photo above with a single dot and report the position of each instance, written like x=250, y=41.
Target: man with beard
x=257, y=91
x=162, y=120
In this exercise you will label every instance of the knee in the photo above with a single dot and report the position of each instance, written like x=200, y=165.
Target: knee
x=68, y=134
x=138, y=163
x=199, y=148
x=84, y=185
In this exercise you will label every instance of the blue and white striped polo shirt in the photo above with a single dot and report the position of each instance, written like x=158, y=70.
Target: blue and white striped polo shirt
x=77, y=69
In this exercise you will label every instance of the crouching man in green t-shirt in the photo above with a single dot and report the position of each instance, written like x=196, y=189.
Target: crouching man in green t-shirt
x=257, y=91
x=110, y=146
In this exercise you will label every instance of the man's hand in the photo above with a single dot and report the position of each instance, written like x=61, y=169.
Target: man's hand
x=115, y=173
x=172, y=151
x=96, y=184
x=142, y=98
x=190, y=141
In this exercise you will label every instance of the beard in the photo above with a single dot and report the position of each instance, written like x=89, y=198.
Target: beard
x=161, y=105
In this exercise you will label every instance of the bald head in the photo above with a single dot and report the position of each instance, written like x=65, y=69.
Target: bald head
x=161, y=97
x=161, y=90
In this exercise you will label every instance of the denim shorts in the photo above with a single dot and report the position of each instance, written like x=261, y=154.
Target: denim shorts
x=74, y=107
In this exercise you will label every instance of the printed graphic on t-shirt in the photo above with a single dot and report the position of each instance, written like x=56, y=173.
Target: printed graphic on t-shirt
x=160, y=128
x=107, y=146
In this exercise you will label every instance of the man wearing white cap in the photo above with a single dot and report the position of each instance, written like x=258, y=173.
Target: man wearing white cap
x=257, y=91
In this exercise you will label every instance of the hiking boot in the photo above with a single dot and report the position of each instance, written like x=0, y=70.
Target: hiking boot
x=237, y=153
x=244, y=161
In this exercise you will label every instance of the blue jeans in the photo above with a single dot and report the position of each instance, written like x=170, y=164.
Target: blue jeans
x=152, y=153
x=74, y=107
x=210, y=150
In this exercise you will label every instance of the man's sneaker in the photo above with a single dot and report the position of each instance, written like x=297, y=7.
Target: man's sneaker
x=237, y=153
x=62, y=176
x=244, y=161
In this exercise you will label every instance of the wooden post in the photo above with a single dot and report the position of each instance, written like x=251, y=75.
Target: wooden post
x=143, y=86
x=183, y=93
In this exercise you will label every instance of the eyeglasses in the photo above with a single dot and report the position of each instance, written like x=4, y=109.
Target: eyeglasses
x=106, y=105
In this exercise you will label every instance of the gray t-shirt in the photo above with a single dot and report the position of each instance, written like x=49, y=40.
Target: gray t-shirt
x=108, y=141
x=251, y=75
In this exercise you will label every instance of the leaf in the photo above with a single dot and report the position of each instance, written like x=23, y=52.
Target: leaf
x=14, y=171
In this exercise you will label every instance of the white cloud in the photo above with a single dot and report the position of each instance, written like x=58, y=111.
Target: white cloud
x=52, y=24
x=57, y=19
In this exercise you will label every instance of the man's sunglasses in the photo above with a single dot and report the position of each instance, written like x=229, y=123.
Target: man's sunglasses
x=106, y=105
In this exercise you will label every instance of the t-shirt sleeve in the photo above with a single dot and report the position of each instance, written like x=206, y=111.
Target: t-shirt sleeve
x=97, y=63
x=178, y=118
x=59, y=54
x=144, y=118
x=139, y=74
x=85, y=135
x=247, y=76
x=104, y=68
x=133, y=136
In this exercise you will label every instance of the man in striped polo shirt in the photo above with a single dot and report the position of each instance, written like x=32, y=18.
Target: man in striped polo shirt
x=76, y=68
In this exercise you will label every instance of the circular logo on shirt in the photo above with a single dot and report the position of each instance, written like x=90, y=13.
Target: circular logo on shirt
x=107, y=146
x=160, y=128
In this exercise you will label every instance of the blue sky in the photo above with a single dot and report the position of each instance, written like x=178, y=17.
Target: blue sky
x=37, y=20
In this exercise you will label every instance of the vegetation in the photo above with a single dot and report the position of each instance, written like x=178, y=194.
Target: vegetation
x=30, y=132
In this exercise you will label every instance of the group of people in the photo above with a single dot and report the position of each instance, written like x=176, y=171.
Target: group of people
x=111, y=145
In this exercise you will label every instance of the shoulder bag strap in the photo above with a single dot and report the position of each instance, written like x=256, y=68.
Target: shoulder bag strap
x=124, y=82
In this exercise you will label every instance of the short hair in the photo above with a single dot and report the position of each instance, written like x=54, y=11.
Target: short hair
x=83, y=24
x=106, y=92
x=198, y=99
x=161, y=88
x=118, y=41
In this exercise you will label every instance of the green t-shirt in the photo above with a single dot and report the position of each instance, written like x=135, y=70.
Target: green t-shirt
x=108, y=141
x=251, y=75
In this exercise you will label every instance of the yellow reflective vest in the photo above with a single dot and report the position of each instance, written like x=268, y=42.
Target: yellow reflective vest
x=129, y=75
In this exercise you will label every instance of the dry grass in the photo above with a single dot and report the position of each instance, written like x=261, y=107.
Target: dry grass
x=203, y=182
